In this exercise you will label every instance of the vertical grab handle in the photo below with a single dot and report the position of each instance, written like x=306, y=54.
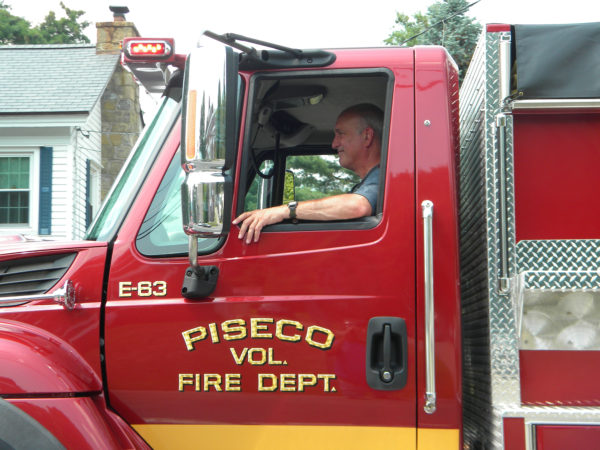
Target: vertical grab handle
x=430, y=399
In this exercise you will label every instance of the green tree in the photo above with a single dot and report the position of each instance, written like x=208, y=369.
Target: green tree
x=66, y=30
x=53, y=30
x=446, y=24
x=13, y=29
x=317, y=176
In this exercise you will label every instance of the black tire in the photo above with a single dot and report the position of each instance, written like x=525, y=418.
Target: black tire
x=19, y=431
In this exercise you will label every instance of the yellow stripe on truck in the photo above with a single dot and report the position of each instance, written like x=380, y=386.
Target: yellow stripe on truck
x=437, y=439
x=282, y=437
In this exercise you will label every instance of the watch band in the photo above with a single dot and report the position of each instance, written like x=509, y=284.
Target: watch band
x=292, y=207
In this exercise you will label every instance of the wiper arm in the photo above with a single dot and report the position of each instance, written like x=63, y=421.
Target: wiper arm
x=233, y=38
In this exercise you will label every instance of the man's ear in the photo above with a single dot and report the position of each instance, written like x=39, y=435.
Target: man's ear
x=369, y=134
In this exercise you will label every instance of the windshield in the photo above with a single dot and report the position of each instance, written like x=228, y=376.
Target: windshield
x=134, y=172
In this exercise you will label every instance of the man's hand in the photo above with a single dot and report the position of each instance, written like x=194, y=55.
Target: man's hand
x=252, y=222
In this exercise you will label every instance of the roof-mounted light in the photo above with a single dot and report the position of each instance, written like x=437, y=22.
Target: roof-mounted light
x=148, y=49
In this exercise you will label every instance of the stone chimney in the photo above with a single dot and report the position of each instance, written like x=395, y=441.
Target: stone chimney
x=120, y=103
x=110, y=34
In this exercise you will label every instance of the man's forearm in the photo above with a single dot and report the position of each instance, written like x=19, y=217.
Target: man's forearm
x=337, y=207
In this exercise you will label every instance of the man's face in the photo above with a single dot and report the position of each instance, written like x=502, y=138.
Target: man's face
x=349, y=141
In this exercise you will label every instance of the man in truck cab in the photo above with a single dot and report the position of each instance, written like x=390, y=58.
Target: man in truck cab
x=357, y=140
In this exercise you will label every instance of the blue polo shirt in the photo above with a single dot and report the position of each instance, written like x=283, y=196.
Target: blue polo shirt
x=369, y=188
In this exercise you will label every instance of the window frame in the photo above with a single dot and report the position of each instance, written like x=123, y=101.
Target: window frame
x=363, y=223
x=33, y=153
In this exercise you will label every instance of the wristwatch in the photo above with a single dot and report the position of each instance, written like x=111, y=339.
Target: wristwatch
x=292, y=207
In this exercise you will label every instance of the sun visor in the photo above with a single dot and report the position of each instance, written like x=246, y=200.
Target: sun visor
x=558, y=61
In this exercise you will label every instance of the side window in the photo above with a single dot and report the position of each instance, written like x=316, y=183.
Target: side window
x=161, y=233
x=259, y=193
x=288, y=153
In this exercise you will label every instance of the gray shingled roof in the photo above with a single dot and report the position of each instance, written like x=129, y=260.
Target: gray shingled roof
x=52, y=78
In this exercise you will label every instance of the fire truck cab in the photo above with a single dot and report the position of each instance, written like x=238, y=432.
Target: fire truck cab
x=420, y=326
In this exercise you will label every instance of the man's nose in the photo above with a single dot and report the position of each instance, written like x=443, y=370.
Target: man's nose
x=335, y=143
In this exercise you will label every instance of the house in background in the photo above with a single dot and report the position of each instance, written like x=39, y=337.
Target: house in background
x=69, y=115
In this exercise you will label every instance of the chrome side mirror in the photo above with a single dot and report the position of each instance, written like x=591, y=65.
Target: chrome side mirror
x=208, y=140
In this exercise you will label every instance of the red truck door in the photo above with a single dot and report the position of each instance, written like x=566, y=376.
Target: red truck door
x=278, y=355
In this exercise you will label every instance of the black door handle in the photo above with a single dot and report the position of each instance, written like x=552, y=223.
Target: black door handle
x=386, y=353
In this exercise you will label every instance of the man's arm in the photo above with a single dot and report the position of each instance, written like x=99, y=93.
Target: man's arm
x=336, y=207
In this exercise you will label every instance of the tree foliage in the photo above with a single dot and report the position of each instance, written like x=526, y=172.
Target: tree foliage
x=307, y=177
x=446, y=24
x=317, y=176
x=53, y=30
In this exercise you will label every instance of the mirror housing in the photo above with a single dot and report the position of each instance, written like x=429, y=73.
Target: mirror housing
x=208, y=140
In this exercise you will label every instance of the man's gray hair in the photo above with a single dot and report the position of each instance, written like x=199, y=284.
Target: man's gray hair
x=371, y=115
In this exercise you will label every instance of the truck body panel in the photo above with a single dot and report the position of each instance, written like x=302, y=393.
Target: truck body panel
x=68, y=341
x=529, y=305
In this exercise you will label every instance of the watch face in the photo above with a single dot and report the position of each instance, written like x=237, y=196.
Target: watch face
x=292, y=208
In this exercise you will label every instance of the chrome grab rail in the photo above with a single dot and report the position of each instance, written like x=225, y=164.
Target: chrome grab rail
x=64, y=296
x=430, y=397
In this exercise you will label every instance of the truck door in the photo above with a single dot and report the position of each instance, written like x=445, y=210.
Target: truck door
x=278, y=355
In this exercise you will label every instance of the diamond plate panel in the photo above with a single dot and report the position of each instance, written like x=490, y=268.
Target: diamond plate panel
x=504, y=342
x=491, y=382
x=477, y=417
x=562, y=281
x=559, y=255
x=560, y=320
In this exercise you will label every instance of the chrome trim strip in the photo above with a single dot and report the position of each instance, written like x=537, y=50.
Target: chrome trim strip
x=503, y=276
x=430, y=397
x=573, y=103
x=504, y=69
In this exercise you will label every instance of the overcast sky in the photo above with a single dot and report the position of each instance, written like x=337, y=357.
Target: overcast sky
x=303, y=24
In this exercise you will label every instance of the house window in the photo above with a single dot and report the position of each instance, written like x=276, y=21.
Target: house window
x=15, y=190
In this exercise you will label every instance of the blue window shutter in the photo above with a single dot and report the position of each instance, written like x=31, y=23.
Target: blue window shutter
x=88, y=193
x=45, y=216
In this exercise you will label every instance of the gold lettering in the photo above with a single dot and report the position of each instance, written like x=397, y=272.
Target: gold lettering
x=189, y=340
x=212, y=379
x=256, y=327
x=306, y=379
x=185, y=379
x=125, y=289
x=263, y=356
x=213, y=333
x=326, y=377
x=229, y=327
x=161, y=288
x=233, y=382
x=238, y=359
x=287, y=382
x=261, y=382
x=310, y=331
x=271, y=359
x=279, y=330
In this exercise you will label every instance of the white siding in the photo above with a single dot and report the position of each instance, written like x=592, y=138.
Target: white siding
x=61, y=191
x=29, y=133
x=86, y=144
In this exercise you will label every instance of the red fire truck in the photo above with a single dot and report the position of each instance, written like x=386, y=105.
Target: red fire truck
x=464, y=313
